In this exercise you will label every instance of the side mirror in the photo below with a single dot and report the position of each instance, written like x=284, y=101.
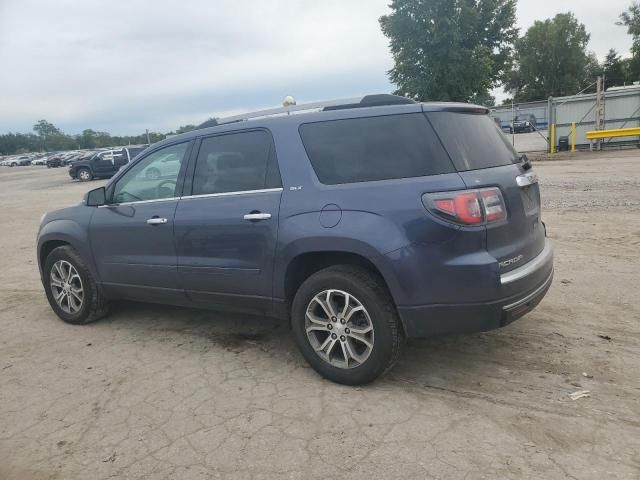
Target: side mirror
x=95, y=198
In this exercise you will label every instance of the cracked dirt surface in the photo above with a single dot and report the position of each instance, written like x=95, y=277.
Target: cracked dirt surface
x=168, y=393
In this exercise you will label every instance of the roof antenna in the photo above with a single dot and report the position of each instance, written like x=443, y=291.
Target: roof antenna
x=288, y=101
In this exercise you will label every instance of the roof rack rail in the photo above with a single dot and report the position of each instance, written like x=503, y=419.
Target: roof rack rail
x=341, y=104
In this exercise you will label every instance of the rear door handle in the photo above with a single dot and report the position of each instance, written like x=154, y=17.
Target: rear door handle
x=257, y=216
x=156, y=221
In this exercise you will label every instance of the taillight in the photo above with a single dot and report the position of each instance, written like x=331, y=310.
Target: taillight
x=467, y=207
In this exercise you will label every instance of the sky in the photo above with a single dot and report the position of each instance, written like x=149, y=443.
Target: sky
x=123, y=66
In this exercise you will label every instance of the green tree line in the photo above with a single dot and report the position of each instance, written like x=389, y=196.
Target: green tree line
x=459, y=50
x=46, y=137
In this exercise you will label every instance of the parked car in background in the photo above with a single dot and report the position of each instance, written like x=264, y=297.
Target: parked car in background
x=39, y=160
x=103, y=164
x=75, y=157
x=524, y=123
x=18, y=161
x=54, y=161
x=362, y=224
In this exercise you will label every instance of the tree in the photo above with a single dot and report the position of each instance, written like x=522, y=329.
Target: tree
x=551, y=59
x=485, y=99
x=449, y=50
x=185, y=128
x=11, y=143
x=615, y=69
x=44, y=130
x=631, y=20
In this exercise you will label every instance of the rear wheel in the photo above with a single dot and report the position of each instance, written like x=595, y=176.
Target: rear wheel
x=84, y=174
x=70, y=288
x=346, y=325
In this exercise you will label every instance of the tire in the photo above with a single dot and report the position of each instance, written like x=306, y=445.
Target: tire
x=13, y=165
x=84, y=174
x=366, y=289
x=93, y=305
x=152, y=173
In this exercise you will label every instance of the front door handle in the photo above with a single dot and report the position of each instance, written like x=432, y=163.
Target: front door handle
x=256, y=216
x=156, y=221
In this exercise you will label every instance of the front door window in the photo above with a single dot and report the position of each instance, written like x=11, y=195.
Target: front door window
x=153, y=178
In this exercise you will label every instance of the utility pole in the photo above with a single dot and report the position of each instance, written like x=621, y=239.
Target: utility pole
x=148, y=141
x=600, y=107
x=513, y=119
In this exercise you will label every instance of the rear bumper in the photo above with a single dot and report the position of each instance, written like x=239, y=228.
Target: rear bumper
x=443, y=319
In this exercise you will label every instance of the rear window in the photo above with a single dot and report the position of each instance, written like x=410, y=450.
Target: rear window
x=374, y=148
x=472, y=140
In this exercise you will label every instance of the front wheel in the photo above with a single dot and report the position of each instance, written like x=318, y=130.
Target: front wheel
x=346, y=325
x=84, y=174
x=70, y=288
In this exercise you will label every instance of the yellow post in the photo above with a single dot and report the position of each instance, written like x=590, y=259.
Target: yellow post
x=553, y=138
x=573, y=137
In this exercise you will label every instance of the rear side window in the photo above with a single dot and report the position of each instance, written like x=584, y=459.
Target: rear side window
x=374, y=148
x=472, y=140
x=236, y=162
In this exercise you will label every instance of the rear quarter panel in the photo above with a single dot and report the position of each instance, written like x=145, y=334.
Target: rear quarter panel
x=369, y=219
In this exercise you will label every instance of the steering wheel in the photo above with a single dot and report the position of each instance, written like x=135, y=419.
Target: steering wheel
x=162, y=184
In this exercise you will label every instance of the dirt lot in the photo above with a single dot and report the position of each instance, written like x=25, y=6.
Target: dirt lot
x=171, y=393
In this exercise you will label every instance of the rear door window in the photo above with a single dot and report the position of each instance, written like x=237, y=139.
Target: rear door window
x=236, y=162
x=374, y=148
x=473, y=140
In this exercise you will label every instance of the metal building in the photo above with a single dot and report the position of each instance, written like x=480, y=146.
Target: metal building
x=621, y=110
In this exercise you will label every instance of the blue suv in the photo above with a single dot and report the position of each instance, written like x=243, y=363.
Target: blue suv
x=362, y=222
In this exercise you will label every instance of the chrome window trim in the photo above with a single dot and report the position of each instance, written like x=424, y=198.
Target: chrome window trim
x=527, y=269
x=233, y=194
x=187, y=197
x=139, y=202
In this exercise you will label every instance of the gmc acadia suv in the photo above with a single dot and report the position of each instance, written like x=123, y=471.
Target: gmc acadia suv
x=363, y=222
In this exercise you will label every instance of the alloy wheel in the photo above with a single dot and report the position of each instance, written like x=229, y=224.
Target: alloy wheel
x=66, y=286
x=339, y=329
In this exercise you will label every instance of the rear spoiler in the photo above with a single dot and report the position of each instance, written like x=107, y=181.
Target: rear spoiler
x=455, y=107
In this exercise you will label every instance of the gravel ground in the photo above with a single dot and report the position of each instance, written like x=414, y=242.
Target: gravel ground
x=168, y=393
x=530, y=142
